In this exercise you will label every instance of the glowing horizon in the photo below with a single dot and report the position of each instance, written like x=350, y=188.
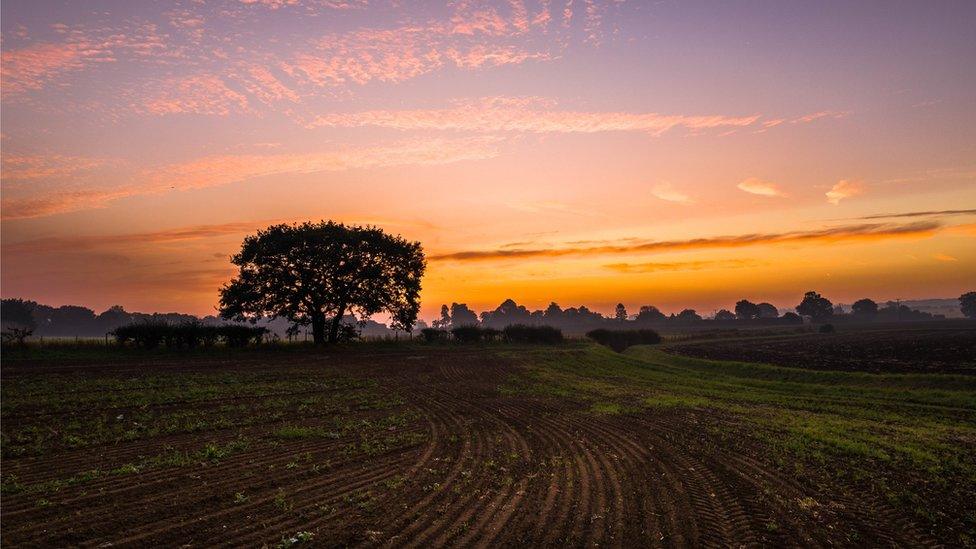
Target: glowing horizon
x=581, y=152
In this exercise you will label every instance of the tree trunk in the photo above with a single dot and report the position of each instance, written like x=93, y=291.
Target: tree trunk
x=318, y=328
x=336, y=322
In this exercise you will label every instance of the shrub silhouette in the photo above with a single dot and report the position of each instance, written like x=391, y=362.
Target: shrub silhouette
x=433, y=335
x=468, y=334
x=186, y=335
x=17, y=335
x=618, y=340
x=521, y=333
x=827, y=329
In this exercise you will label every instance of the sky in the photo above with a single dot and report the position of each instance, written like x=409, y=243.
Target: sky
x=679, y=154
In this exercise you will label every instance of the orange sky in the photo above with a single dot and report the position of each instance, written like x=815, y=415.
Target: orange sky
x=583, y=152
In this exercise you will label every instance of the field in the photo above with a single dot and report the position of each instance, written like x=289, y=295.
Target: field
x=927, y=347
x=416, y=445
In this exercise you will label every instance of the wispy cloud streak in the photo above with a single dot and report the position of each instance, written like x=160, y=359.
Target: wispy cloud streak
x=932, y=213
x=226, y=169
x=498, y=114
x=872, y=231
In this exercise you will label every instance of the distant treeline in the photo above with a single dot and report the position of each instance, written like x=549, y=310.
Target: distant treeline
x=72, y=320
x=75, y=321
x=580, y=320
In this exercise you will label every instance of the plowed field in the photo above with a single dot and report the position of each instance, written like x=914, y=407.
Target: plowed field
x=434, y=446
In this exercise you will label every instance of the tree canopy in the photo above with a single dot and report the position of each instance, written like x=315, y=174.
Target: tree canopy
x=864, y=307
x=746, y=310
x=967, y=304
x=767, y=310
x=815, y=306
x=312, y=272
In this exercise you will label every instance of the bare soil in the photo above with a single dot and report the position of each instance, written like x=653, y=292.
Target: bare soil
x=878, y=351
x=481, y=468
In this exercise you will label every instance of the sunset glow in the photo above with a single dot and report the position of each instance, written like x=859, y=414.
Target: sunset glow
x=584, y=152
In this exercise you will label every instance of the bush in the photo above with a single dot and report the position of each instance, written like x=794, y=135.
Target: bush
x=347, y=333
x=618, y=340
x=17, y=335
x=468, y=334
x=827, y=329
x=147, y=335
x=433, y=335
x=186, y=335
x=240, y=335
x=520, y=333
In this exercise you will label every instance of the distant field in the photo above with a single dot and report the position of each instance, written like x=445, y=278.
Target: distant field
x=923, y=348
x=446, y=445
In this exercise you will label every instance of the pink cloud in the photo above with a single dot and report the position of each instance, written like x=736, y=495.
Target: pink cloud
x=365, y=55
x=593, y=21
x=481, y=55
x=667, y=191
x=754, y=185
x=36, y=66
x=481, y=21
x=271, y=4
x=197, y=94
x=845, y=189
x=503, y=114
x=32, y=167
x=261, y=83
x=520, y=16
x=31, y=68
x=818, y=115
x=220, y=170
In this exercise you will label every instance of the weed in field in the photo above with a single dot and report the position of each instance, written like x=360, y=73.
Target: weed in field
x=281, y=502
x=294, y=432
x=609, y=408
x=239, y=498
x=394, y=482
x=298, y=538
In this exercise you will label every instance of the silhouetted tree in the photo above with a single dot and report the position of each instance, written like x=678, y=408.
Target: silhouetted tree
x=72, y=319
x=793, y=317
x=864, y=307
x=310, y=272
x=112, y=318
x=967, y=303
x=506, y=314
x=688, y=315
x=650, y=313
x=815, y=306
x=553, y=313
x=620, y=314
x=444, y=321
x=746, y=310
x=725, y=314
x=767, y=310
x=461, y=315
x=17, y=313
